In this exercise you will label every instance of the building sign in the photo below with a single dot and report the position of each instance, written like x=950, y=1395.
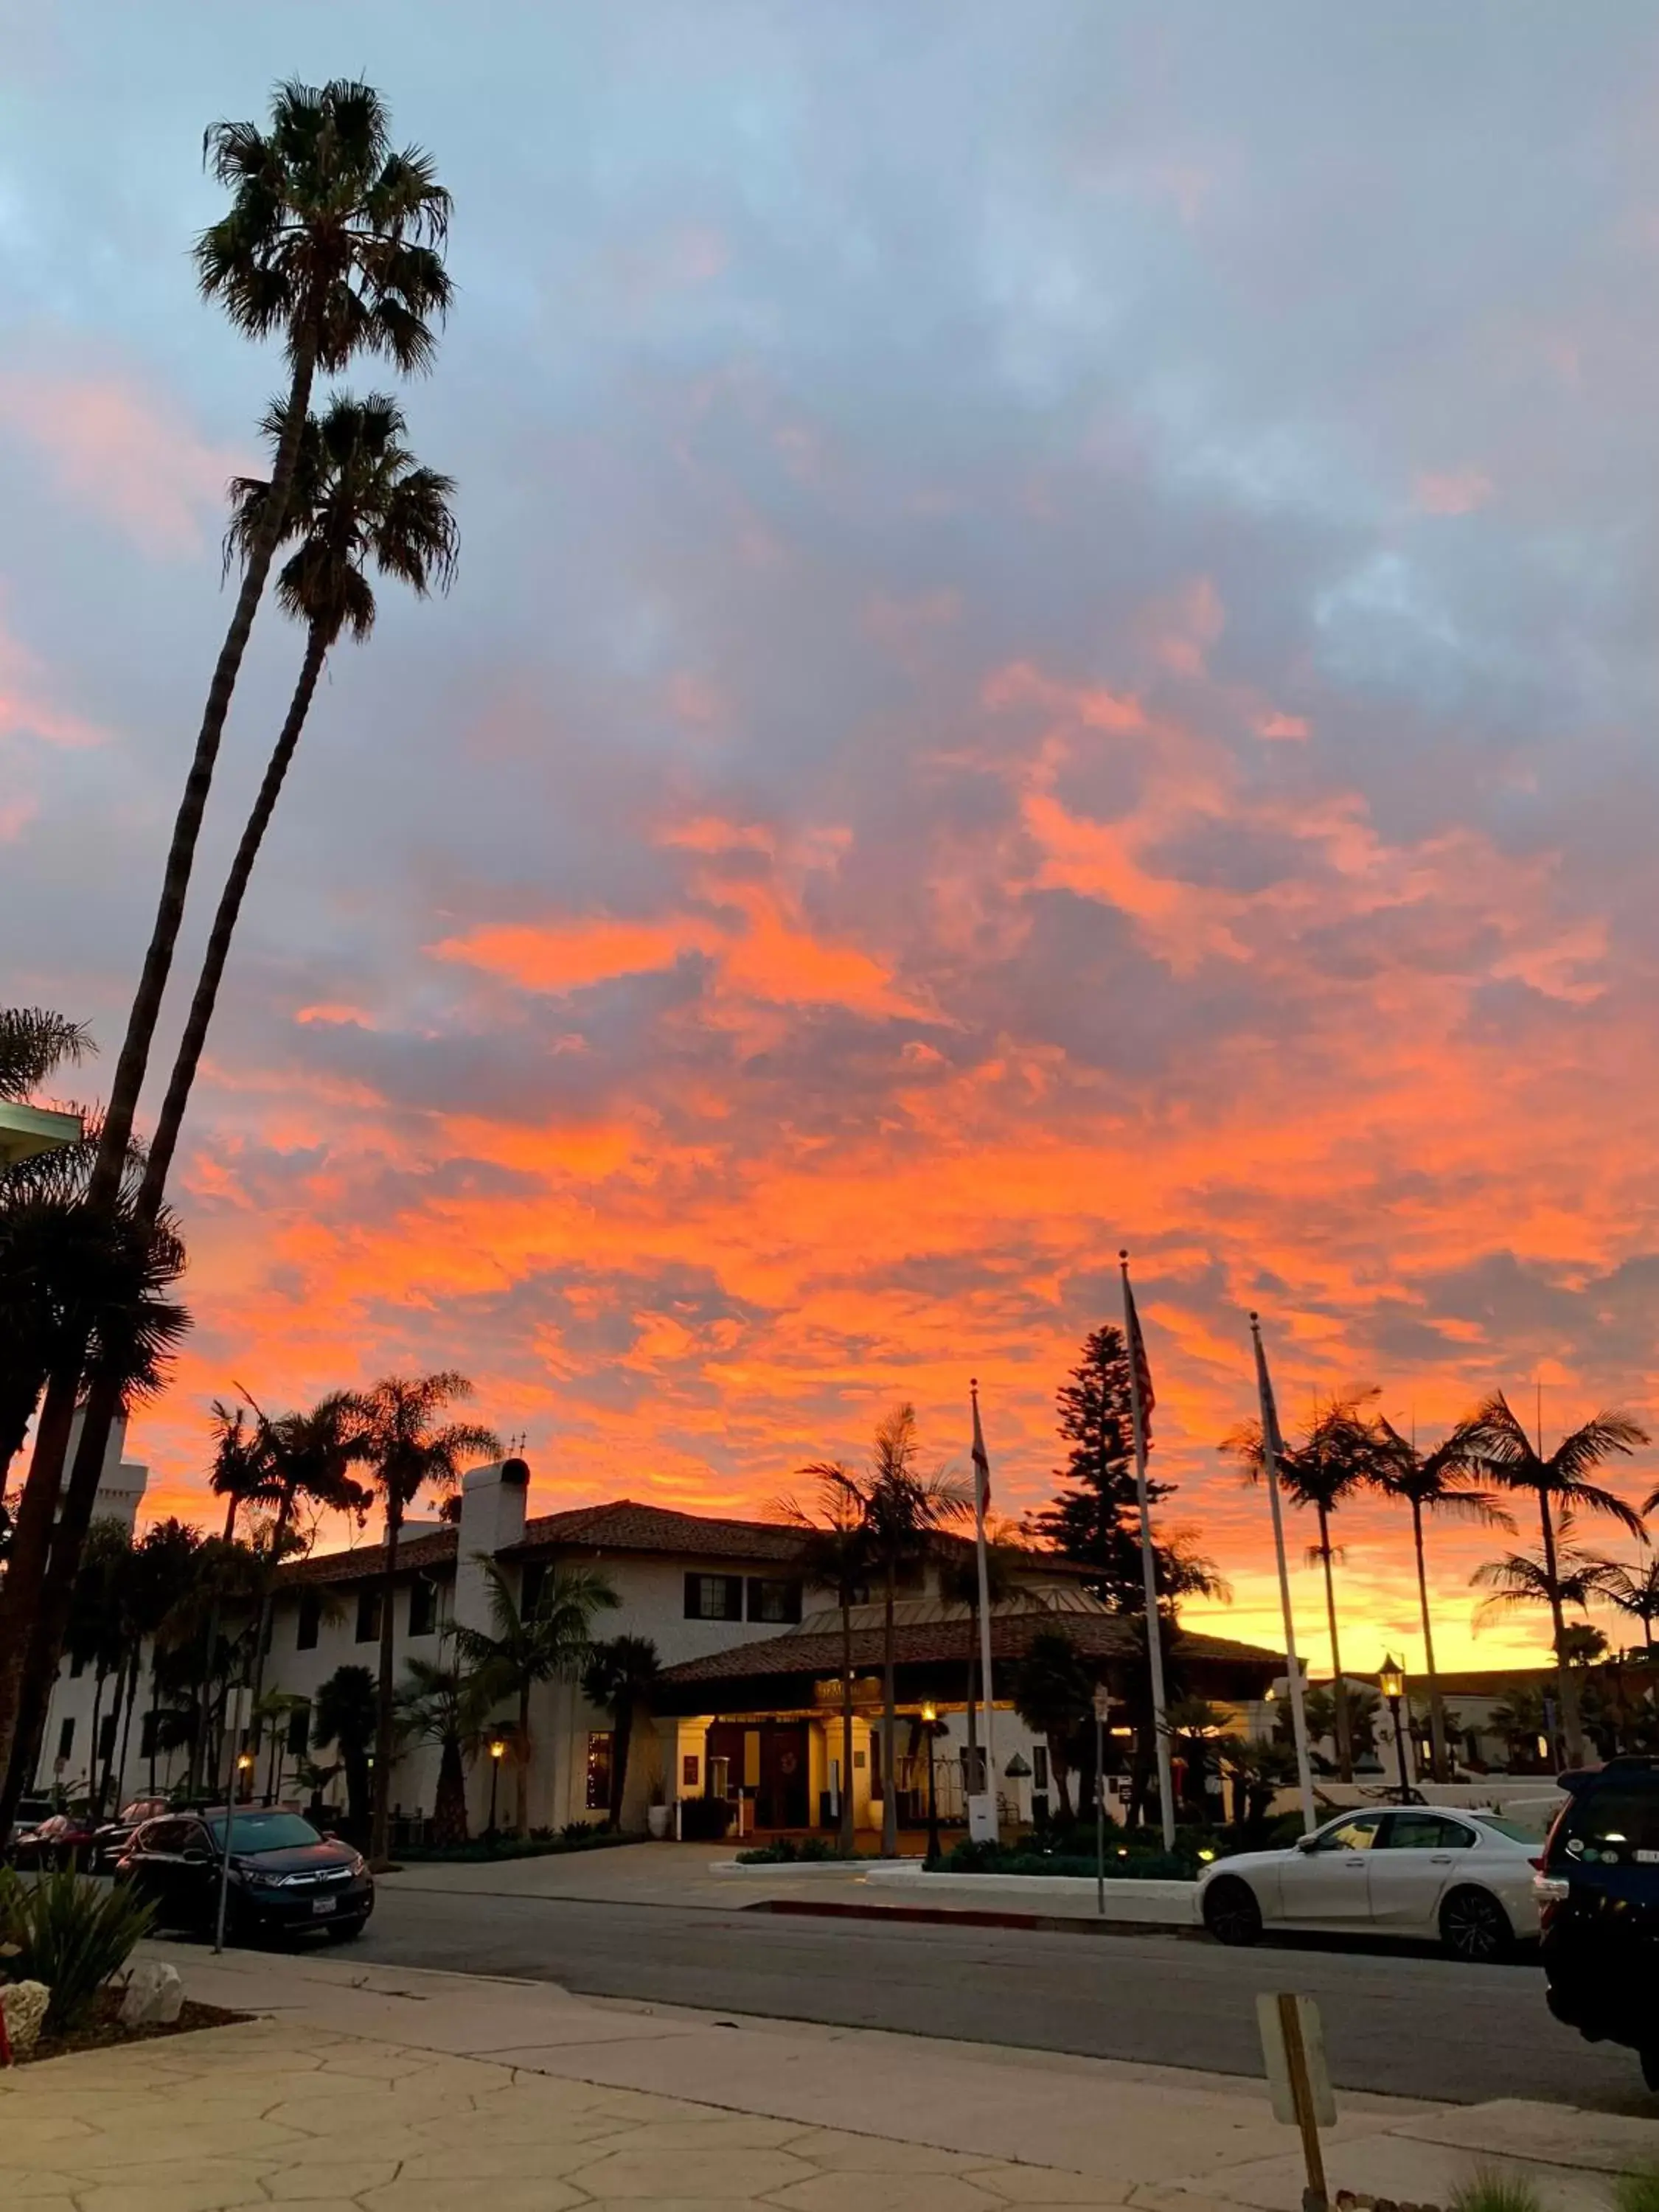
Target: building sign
x=867, y=1691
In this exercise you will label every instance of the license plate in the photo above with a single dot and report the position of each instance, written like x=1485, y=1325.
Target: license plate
x=321, y=1904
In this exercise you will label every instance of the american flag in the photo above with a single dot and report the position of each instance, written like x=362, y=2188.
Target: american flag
x=1143, y=1373
x=981, y=1466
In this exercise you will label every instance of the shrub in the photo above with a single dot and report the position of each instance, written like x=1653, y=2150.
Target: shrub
x=814, y=1850
x=69, y=1934
x=1489, y=2188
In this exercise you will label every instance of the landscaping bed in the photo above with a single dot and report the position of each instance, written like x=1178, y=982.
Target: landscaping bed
x=512, y=1847
x=102, y=2029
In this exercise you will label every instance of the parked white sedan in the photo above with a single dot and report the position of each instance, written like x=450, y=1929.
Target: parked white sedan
x=1465, y=1878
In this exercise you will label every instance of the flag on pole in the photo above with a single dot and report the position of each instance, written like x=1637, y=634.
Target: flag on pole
x=1139, y=1362
x=982, y=1467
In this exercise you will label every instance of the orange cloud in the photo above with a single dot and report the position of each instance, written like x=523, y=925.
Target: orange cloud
x=1456, y=491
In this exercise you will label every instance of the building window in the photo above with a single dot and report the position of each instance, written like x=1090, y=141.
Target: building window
x=106, y=1728
x=777, y=1601
x=875, y=1764
x=422, y=1605
x=148, y=1746
x=66, y=1738
x=600, y=1745
x=532, y=1581
x=714, y=1597
x=368, y=1615
x=298, y=1732
x=78, y=1665
x=310, y=1619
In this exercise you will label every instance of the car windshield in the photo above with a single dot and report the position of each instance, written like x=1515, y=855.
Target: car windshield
x=1610, y=1827
x=264, y=1832
x=1512, y=1829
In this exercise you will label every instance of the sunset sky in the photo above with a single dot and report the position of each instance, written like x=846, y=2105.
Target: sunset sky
x=1054, y=648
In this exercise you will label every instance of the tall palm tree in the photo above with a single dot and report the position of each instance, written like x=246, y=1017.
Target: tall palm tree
x=1329, y=1464
x=620, y=1677
x=1634, y=1591
x=162, y=1571
x=1496, y=1444
x=1439, y=1482
x=444, y=1702
x=837, y=1554
x=901, y=1511
x=404, y=1447
x=333, y=242
x=1562, y=1577
x=357, y=498
x=309, y=1456
x=527, y=1646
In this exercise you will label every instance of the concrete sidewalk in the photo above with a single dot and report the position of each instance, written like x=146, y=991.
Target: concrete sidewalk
x=395, y=2090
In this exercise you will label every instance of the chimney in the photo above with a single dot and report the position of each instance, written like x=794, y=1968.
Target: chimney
x=493, y=1501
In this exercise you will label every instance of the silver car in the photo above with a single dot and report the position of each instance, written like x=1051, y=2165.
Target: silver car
x=1465, y=1878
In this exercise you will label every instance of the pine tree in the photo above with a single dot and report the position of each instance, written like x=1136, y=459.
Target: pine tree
x=1095, y=1520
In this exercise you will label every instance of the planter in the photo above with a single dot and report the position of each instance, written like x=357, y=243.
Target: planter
x=657, y=1820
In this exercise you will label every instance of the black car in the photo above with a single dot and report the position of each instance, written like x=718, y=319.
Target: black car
x=1600, y=1895
x=283, y=1878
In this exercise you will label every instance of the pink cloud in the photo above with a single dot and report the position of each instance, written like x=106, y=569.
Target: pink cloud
x=1275, y=725
x=132, y=458
x=1456, y=491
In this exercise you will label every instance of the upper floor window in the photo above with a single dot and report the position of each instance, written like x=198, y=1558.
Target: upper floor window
x=368, y=1614
x=311, y=1617
x=532, y=1581
x=714, y=1597
x=778, y=1600
x=422, y=1605
x=298, y=1732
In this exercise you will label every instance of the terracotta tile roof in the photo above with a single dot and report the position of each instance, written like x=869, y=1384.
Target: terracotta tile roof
x=434, y=1547
x=626, y=1526
x=1106, y=1635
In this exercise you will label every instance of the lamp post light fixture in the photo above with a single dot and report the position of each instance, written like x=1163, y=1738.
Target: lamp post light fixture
x=1391, y=1680
x=498, y=1751
x=244, y=1776
x=930, y=1721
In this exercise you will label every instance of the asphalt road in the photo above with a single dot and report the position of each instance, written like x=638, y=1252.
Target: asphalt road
x=1412, y=2024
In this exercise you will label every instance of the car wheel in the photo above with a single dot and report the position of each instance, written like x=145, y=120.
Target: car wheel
x=1475, y=1927
x=1231, y=1911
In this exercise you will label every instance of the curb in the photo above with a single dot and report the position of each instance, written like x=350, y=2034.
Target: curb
x=1050, y=1923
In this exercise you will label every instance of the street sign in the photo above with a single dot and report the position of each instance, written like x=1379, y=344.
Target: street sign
x=1293, y=2046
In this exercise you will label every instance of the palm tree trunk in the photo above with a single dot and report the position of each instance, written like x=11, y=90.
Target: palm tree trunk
x=165, y=1141
x=133, y=1674
x=380, y=1832
x=521, y=1764
x=22, y=1592
x=848, y=1832
x=262, y=1628
x=26, y=1571
x=106, y=1774
x=1571, y=1727
x=99, y=1679
x=620, y=1742
x=1338, y=1689
x=1437, y=1704
x=889, y=1727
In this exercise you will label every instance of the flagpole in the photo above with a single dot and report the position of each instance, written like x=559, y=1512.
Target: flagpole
x=982, y=1495
x=1271, y=1447
x=1149, y=1566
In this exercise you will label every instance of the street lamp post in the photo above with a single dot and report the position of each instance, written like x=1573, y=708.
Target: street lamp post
x=244, y=1770
x=1391, y=1680
x=497, y=1749
x=930, y=1724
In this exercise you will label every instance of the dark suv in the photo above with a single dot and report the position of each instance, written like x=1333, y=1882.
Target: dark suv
x=282, y=1878
x=1600, y=1894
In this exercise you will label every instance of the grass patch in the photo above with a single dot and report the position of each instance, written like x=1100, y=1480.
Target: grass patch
x=1490, y=2189
x=1638, y=2192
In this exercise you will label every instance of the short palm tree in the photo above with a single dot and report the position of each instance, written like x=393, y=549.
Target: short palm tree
x=345, y=1713
x=333, y=242
x=901, y=1511
x=837, y=1554
x=1440, y=1482
x=1495, y=1444
x=1052, y=1691
x=357, y=500
x=1329, y=1464
x=444, y=1702
x=1633, y=1591
x=551, y=1638
x=35, y=1042
x=404, y=1447
x=621, y=1677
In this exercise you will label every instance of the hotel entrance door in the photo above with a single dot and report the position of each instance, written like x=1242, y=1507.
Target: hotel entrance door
x=772, y=1761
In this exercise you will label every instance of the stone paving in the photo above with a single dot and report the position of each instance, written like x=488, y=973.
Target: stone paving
x=273, y=2112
